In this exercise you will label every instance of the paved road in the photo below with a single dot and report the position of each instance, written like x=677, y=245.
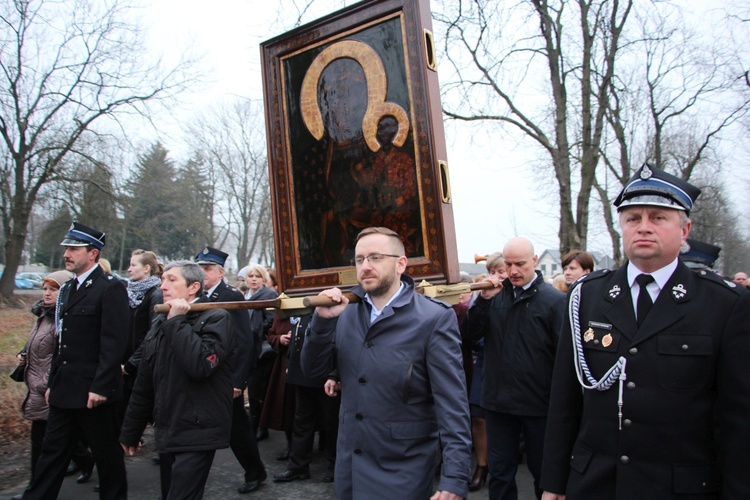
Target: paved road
x=226, y=476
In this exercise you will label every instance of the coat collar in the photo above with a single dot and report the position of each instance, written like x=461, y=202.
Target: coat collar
x=667, y=308
x=83, y=289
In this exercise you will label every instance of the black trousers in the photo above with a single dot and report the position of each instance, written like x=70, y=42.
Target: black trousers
x=184, y=475
x=313, y=406
x=243, y=444
x=80, y=456
x=100, y=427
x=503, y=438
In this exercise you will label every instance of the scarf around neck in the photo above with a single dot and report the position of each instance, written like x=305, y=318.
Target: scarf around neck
x=137, y=290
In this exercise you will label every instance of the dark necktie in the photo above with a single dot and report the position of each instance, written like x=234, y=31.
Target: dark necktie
x=644, y=298
x=73, y=288
x=517, y=291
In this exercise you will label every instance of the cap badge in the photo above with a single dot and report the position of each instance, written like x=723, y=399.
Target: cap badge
x=614, y=292
x=205, y=251
x=588, y=335
x=679, y=291
x=646, y=173
x=607, y=340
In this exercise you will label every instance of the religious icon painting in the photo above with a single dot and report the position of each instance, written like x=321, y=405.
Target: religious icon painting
x=355, y=139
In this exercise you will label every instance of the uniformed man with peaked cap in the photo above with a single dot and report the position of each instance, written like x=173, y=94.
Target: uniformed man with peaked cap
x=242, y=440
x=650, y=387
x=699, y=255
x=85, y=379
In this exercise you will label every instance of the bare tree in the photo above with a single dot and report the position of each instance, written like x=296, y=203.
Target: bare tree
x=569, y=48
x=670, y=106
x=230, y=140
x=70, y=71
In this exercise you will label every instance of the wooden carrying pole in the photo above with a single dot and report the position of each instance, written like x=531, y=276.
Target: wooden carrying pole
x=448, y=293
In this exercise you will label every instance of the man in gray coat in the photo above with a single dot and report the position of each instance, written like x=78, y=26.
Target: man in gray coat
x=398, y=356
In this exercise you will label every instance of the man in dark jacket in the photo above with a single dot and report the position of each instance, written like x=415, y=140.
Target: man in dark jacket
x=651, y=383
x=313, y=409
x=519, y=320
x=242, y=440
x=85, y=380
x=184, y=384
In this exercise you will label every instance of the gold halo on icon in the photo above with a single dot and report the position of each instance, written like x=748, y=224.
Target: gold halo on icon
x=377, y=85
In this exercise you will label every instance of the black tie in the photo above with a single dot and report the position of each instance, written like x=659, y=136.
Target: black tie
x=517, y=291
x=73, y=288
x=644, y=298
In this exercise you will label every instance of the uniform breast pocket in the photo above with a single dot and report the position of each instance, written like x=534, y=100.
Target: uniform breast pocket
x=83, y=310
x=685, y=361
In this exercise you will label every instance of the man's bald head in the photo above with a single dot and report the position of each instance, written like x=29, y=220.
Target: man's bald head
x=519, y=246
x=520, y=261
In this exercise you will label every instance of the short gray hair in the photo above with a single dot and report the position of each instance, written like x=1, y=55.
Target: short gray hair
x=191, y=271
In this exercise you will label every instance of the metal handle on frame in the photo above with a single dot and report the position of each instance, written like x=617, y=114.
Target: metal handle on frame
x=429, y=50
x=445, y=181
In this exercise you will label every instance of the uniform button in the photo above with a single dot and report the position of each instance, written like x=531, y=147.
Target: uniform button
x=627, y=422
x=65, y=362
x=624, y=459
x=362, y=381
x=65, y=346
x=684, y=347
x=357, y=451
x=596, y=341
x=633, y=350
x=358, y=416
x=631, y=385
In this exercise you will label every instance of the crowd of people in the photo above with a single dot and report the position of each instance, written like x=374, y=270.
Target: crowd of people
x=624, y=383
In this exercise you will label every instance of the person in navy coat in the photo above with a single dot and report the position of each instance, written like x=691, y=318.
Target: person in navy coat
x=403, y=389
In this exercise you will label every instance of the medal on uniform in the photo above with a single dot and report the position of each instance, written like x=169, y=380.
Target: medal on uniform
x=607, y=340
x=588, y=335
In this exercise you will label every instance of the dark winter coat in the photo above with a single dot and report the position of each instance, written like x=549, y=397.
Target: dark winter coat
x=403, y=396
x=141, y=318
x=520, y=342
x=184, y=383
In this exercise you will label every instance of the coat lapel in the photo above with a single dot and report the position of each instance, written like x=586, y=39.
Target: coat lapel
x=666, y=310
x=620, y=312
x=83, y=289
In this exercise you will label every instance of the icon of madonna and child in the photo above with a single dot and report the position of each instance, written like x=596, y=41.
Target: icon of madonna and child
x=353, y=153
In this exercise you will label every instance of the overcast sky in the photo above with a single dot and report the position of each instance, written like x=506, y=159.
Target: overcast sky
x=496, y=194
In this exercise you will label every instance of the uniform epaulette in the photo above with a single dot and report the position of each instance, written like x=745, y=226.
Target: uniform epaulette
x=720, y=280
x=590, y=276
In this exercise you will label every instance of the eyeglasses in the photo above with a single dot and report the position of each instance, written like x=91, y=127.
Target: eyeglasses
x=372, y=258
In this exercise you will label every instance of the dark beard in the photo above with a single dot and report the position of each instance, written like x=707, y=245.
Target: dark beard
x=382, y=288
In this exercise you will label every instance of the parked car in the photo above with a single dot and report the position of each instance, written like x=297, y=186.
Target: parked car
x=35, y=278
x=22, y=284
